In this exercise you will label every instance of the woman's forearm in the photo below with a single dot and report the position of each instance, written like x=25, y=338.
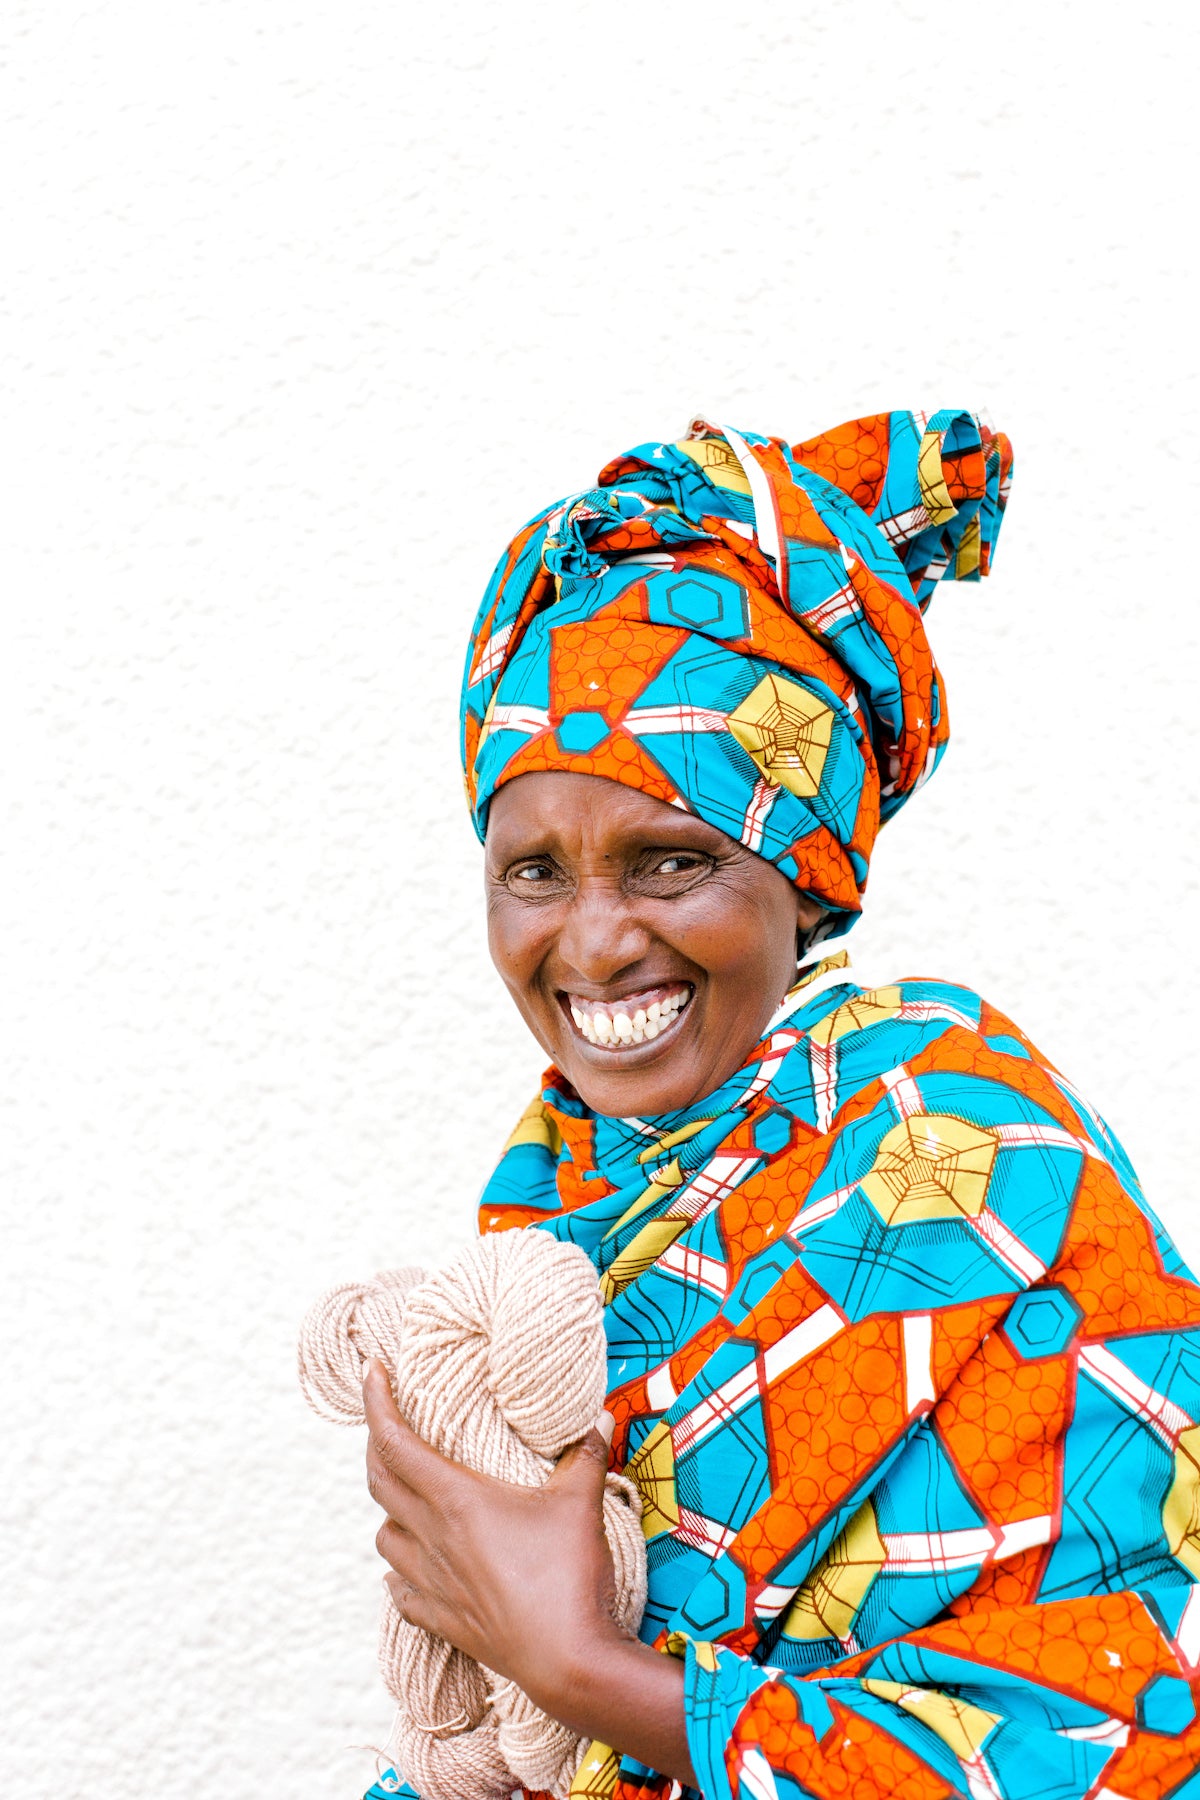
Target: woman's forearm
x=628, y=1696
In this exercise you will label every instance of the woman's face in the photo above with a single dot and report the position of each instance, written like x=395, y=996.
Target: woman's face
x=645, y=950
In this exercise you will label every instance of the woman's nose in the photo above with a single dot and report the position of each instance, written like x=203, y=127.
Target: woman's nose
x=601, y=934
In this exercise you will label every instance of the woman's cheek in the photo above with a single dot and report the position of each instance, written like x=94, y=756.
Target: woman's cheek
x=734, y=944
x=511, y=941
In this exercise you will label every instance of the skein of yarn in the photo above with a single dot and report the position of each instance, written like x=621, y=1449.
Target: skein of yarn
x=497, y=1360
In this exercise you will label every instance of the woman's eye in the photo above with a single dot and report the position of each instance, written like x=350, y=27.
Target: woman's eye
x=532, y=874
x=683, y=862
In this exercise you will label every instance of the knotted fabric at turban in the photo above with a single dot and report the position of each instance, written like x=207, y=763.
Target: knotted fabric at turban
x=736, y=626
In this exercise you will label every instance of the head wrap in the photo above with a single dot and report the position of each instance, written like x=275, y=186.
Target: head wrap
x=735, y=626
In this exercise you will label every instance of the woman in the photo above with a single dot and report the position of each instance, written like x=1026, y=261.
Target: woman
x=905, y=1369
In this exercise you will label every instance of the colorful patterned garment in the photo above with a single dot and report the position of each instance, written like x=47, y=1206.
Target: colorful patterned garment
x=908, y=1375
x=736, y=626
x=906, y=1370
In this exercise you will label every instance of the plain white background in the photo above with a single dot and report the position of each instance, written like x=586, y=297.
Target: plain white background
x=309, y=307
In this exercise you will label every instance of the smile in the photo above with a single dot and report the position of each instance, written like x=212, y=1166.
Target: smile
x=632, y=1020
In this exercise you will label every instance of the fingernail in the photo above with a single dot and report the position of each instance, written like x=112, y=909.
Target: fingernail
x=606, y=1425
x=367, y=1367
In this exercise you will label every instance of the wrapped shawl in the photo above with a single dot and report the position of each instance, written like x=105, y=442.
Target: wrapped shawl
x=908, y=1375
x=905, y=1369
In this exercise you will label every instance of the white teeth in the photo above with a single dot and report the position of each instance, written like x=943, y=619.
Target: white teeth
x=641, y=1025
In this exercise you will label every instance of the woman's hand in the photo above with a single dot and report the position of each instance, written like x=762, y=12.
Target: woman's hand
x=521, y=1579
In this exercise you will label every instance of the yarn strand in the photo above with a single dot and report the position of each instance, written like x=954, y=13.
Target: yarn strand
x=498, y=1361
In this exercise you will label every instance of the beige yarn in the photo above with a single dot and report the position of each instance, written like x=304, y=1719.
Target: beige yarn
x=498, y=1361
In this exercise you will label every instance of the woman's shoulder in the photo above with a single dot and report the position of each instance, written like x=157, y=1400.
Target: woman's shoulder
x=927, y=1045
x=909, y=1015
x=929, y=1102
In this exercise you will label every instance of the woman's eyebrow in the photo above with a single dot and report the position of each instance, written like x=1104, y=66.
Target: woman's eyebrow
x=499, y=856
x=684, y=833
x=695, y=844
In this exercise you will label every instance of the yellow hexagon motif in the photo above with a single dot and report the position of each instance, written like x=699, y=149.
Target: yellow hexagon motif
x=718, y=462
x=1181, y=1509
x=825, y=1606
x=786, y=731
x=961, y=1726
x=869, y=1008
x=652, y=1472
x=931, y=1166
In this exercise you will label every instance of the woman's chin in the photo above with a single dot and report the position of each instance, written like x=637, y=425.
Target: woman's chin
x=624, y=1095
x=646, y=1079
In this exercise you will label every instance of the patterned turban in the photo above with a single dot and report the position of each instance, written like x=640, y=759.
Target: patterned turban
x=736, y=627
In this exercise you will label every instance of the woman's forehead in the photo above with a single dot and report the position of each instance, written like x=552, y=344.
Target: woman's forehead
x=555, y=806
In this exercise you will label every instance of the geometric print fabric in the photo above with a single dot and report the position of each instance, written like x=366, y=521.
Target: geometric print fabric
x=735, y=625
x=907, y=1373
x=909, y=1380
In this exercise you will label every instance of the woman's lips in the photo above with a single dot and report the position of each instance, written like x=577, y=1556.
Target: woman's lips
x=631, y=1021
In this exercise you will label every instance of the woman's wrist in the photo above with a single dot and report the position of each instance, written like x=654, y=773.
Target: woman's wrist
x=620, y=1692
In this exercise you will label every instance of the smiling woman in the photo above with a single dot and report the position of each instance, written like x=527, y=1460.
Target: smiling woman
x=645, y=950
x=904, y=1369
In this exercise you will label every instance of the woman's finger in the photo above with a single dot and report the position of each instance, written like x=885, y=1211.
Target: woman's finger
x=405, y=1456
x=402, y=1594
x=387, y=1490
x=399, y=1549
x=408, y=1581
x=411, y=1604
x=583, y=1465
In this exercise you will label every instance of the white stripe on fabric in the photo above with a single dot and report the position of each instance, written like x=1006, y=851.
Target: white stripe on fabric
x=766, y=521
x=755, y=1779
x=714, y=1183
x=695, y=1268
x=917, y=1330
x=704, y=1534
x=1024, y=1534
x=823, y=1064
x=1007, y=1246
x=936, y=1552
x=802, y=1341
x=904, y=1092
x=761, y=801
x=661, y=1391
x=716, y=1409
x=649, y=721
x=517, y=718
x=1187, y=1637
x=1161, y=1414
x=772, y=1600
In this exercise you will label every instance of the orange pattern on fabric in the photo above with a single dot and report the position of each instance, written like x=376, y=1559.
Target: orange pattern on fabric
x=865, y=1761
x=602, y=664
x=853, y=457
x=908, y=1455
x=1002, y=1421
x=748, y=570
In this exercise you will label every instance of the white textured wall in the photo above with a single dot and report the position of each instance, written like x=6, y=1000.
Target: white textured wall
x=314, y=303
